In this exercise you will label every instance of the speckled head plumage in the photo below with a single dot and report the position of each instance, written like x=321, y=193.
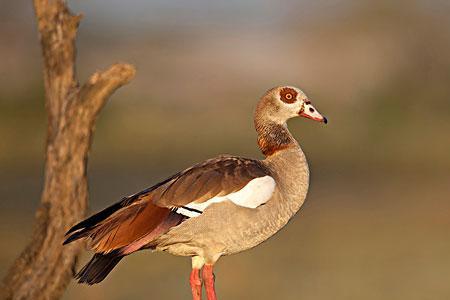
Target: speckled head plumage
x=276, y=106
x=285, y=102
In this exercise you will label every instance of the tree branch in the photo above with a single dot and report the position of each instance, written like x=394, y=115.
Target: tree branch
x=96, y=91
x=57, y=30
x=44, y=268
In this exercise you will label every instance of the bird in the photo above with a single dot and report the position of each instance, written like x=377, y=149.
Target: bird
x=218, y=207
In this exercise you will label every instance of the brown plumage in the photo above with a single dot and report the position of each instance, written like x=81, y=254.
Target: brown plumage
x=148, y=214
x=218, y=207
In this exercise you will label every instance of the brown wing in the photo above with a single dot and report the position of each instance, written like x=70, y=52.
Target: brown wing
x=150, y=213
x=214, y=177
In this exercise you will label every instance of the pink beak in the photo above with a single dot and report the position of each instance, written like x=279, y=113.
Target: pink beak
x=310, y=112
x=320, y=119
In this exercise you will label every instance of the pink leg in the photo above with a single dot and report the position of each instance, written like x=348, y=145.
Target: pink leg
x=208, y=277
x=196, y=284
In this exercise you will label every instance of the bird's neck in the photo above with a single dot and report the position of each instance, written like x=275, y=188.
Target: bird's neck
x=273, y=137
x=288, y=163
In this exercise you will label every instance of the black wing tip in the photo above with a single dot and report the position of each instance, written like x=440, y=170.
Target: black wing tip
x=75, y=236
x=103, y=214
x=74, y=228
x=69, y=240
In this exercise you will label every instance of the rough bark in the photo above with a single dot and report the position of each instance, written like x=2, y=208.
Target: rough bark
x=44, y=268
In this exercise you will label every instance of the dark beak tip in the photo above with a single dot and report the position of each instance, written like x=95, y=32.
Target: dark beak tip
x=325, y=120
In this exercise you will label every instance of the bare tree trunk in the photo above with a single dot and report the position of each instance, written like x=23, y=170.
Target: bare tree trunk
x=44, y=268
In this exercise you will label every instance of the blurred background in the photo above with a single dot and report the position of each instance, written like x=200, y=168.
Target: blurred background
x=376, y=222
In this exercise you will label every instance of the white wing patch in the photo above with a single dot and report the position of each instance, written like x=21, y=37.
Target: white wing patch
x=258, y=191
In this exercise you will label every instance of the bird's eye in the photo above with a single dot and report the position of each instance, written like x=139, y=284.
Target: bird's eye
x=311, y=109
x=288, y=95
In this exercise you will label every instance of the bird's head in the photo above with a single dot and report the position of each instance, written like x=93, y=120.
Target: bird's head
x=282, y=103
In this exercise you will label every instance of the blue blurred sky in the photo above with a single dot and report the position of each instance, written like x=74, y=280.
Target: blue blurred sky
x=201, y=13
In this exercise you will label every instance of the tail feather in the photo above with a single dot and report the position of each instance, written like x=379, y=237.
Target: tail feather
x=98, y=267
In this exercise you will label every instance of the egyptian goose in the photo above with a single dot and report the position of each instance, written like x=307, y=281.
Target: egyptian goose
x=218, y=207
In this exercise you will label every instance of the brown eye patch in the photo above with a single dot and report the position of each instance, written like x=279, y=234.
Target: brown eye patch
x=288, y=95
